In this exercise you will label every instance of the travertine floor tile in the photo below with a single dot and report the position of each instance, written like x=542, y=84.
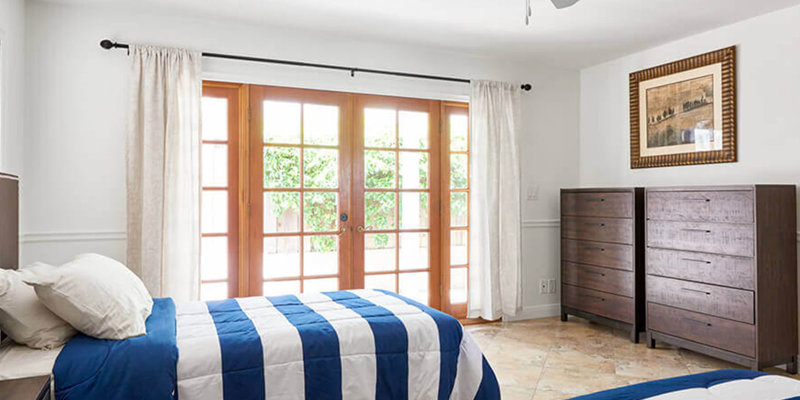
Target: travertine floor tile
x=546, y=359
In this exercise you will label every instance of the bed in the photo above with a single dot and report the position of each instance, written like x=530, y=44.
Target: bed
x=360, y=344
x=716, y=385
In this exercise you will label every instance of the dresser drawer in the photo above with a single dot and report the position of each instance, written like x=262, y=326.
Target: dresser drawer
x=736, y=240
x=738, y=272
x=608, y=305
x=615, y=230
x=619, y=256
x=718, y=301
x=703, y=206
x=717, y=332
x=598, y=278
x=618, y=205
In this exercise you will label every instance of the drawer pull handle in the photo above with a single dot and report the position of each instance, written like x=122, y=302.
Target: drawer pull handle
x=701, y=199
x=602, y=225
x=595, y=272
x=696, y=230
x=696, y=260
x=697, y=291
x=593, y=297
x=698, y=322
x=596, y=248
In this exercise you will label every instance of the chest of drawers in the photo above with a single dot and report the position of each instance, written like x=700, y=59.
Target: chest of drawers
x=602, y=273
x=721, y=272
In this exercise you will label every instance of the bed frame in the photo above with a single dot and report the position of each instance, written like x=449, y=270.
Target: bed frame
x=9, y=223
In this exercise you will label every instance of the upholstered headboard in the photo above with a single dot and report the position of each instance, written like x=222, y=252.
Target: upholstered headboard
x=9, y=223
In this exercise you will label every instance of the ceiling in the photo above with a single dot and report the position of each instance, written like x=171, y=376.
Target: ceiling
x=588, y=33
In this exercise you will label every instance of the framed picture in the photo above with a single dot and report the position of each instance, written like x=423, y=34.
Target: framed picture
x=684, y=112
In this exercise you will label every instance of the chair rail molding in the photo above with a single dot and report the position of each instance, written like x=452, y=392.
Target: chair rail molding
x=78, y=236
x=540, y=223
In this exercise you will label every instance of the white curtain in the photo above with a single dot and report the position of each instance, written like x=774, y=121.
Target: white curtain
x=163, y=170
x=495, y=259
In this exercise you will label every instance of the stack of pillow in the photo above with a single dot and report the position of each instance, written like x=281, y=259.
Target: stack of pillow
x=43, y=306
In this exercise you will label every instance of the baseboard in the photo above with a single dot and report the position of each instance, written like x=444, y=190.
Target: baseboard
x=535, y=312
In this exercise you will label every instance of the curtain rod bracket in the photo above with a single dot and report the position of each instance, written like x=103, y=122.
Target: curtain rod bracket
x=108, y=45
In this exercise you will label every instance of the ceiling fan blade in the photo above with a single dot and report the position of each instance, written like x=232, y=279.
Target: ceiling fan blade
x=564, y=3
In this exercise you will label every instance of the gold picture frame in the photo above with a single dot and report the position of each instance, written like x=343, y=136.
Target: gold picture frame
x=684, y=112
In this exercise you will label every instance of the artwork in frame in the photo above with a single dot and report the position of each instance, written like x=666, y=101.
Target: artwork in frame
x=684, y=112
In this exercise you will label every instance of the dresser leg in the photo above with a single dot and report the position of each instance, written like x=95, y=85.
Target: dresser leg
x=634, y=335
x=791, y=367
x=651, y=343
x=564, y=316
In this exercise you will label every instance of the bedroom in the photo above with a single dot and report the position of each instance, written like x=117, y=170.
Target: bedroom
x=67, y=104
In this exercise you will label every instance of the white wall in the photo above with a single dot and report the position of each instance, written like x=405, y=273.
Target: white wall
x=768, y=84
x=74, y=155
x=768, y=87
x=12, y=68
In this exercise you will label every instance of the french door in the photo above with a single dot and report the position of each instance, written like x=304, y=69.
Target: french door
x=330, y=191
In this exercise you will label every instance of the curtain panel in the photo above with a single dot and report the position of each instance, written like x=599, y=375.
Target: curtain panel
x=163, y=170
x=495, y=219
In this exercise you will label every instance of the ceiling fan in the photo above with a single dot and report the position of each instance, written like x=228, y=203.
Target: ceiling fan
x=558, y=3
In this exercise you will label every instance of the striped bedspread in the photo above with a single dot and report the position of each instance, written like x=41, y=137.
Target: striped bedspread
x=360, y=344
x=730, y=384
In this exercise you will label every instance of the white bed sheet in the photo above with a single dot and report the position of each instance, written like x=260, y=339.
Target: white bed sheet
x=17, y=361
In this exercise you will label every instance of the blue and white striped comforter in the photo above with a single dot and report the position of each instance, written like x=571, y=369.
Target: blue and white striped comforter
x=360, y=344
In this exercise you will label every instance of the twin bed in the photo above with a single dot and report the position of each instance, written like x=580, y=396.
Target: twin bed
x=360, y=344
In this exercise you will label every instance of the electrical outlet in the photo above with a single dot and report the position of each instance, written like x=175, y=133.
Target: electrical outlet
x=547, y=286
x=551, y=286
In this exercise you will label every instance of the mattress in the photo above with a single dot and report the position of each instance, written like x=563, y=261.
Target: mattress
x=18, y=361
x=716, y=385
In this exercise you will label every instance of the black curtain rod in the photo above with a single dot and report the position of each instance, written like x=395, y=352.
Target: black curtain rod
x=108, y=45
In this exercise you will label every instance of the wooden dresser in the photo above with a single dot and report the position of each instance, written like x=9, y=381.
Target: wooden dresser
x=602, y=273
x=721, y=267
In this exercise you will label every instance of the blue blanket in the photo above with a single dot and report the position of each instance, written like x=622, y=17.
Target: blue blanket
x=143, y=367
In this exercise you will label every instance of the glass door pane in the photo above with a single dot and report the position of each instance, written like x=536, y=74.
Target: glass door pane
x=299, y=134
x=455, y=139
x=394, y=193
x=219, y=201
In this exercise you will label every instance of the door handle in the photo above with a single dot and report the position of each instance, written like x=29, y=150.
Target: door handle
x=342, y=231
x=360, y=229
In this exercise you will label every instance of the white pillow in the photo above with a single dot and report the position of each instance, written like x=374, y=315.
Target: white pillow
x=25, y=319
x=95, y=294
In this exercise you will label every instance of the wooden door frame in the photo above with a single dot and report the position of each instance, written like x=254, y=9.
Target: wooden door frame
x=259, y=93
x=245, y=135
x=236, y=95
x=433, y=108
x=456, y=310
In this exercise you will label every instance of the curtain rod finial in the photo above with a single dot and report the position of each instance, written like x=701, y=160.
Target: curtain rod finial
x=107, y=44
x=526, y=87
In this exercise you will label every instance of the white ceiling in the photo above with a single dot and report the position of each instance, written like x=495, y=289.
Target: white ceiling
x=588, y=33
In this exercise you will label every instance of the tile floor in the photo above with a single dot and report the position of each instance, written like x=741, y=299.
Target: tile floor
x=546, y=359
